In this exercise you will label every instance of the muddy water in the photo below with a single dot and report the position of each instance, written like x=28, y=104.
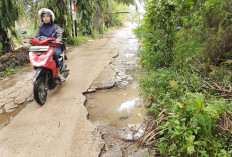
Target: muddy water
x=7, y=118
x=117, y=107
x=121, y=105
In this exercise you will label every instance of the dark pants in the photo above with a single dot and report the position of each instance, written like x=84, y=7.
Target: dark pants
x=56, y=55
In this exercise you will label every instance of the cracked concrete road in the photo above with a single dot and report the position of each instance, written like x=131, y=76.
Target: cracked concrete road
x=60, y=127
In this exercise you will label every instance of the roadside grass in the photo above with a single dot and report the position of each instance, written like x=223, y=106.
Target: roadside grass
x=11, y=71
x=189, y=87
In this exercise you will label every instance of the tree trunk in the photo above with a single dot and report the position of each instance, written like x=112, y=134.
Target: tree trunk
x=5, y=41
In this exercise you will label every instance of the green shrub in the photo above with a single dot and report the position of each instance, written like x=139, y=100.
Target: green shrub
x=168, y=82
x=192, y=130
x=79, y=40
x=184, y=45
x=117, y=19
x=11, y=71
x=156, y=83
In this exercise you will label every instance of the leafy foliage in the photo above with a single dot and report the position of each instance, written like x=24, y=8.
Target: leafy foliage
x=9, y=13
x=192, y=129
x=87, y=13
x=184, y=46
x=116, y=19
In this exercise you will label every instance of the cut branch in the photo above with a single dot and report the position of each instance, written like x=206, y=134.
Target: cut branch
x=228, y=5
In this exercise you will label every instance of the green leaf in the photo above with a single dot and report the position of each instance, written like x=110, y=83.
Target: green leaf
x=199, y=100
x=171, y=7
x=177, y=122
x=180, y=105
x=190, y=149
x=188, y=3
x=212, y=112
x=190, y=139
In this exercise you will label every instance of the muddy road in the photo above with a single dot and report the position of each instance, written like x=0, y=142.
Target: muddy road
x=60, y=127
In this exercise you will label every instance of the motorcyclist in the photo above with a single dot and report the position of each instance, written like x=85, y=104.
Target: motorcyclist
x=49, y=29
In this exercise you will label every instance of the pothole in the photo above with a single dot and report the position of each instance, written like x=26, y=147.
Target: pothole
x=119, y=114
x=114, y=103
x=7, y=117
x=116, y=107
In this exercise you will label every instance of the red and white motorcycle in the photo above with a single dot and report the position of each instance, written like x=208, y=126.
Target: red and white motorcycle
x=41, y=59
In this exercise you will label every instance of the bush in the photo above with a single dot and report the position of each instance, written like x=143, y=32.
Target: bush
x=192, y=130
x=117, y=19
x=78, y=40
x=185, y=46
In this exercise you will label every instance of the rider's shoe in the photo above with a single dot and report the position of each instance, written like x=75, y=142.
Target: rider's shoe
x=62, y=78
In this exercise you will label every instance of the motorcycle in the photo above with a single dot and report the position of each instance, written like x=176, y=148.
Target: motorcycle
x=41, y=59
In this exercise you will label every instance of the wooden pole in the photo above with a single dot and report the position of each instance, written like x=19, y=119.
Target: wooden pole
x=70, y=2
x=75, y=20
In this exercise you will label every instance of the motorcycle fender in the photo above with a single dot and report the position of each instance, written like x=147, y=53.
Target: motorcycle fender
x=38, y=72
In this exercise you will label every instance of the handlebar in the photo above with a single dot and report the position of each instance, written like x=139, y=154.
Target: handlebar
x=53, y=42
x=35, y=41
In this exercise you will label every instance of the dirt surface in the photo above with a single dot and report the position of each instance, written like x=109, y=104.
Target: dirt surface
x=60, y=127
x=15, y=90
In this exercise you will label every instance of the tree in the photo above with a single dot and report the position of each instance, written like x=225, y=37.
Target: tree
x=9, y=14
x=90, y=13
x=125, y=1
x=85, y=11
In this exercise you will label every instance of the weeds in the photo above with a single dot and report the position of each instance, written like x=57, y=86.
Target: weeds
x=187, y=77
x=11, y=71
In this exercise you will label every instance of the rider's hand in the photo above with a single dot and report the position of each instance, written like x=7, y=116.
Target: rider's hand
x=58, y=40
x=26, y=41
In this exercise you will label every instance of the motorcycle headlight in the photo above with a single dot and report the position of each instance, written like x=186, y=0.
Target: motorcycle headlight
x=39, y=60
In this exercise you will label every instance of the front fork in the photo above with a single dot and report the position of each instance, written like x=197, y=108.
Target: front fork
x=36, y=74
x=46, y=81
x=41, y=73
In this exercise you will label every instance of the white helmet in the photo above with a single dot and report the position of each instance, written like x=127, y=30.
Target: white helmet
x=46, y=11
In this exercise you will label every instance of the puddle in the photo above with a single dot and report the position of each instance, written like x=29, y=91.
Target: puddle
x=129, y=55
x=7, y=118
x=121, y=105
x=117, y=107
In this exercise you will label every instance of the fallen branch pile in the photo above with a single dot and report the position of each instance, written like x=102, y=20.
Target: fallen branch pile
x=225, y=124
x=151, y=132
x=14, y=59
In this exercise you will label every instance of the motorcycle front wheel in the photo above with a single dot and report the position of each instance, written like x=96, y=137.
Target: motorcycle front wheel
x=40, y=93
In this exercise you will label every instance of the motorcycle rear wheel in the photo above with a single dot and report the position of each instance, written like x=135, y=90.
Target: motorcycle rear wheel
x=40, y=93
